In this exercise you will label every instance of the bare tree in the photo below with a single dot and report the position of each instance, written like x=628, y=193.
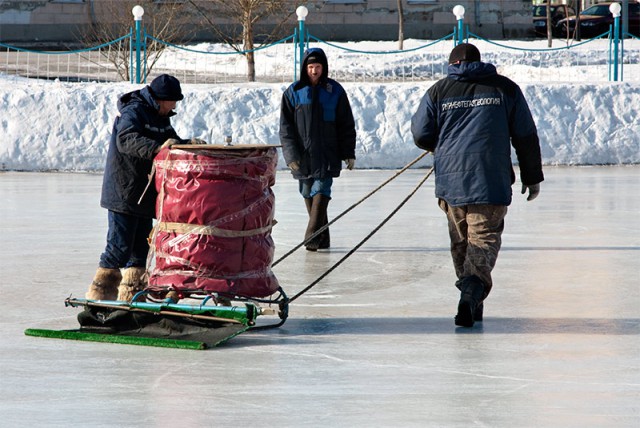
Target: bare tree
x=236, y=22
x=400, y=25
x=159, y=20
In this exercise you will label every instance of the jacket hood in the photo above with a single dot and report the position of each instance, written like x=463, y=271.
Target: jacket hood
x=476, y=70
x=321, y=58
x=142, y=96
x=138, y=96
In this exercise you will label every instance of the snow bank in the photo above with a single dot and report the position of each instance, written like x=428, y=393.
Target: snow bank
x=66, y=126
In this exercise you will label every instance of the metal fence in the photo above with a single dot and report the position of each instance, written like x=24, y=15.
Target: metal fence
x=127, y=58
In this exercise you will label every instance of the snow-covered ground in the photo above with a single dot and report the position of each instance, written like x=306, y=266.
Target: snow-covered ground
x=582, y=119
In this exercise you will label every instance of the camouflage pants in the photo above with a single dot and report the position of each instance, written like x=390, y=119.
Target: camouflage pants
x=475, y=232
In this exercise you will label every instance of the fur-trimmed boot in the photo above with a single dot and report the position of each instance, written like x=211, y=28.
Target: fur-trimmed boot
x=134, y=279
x=470, y=306
x=317, y=219
x=105, y=284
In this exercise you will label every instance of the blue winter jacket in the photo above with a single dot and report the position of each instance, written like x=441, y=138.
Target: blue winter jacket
x=469, y=120
x=137, y=132
x=317, y=128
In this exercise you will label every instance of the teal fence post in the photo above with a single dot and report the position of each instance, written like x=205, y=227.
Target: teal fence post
x=615, y=9
x=138, y=11
x=458, y=11
x=302, y=13
x=130, y=55
x=144, y=55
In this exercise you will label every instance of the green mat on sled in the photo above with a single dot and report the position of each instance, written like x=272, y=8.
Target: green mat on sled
x=114, y=338
x=155, y=324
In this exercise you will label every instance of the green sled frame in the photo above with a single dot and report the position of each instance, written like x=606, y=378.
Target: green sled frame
x=168, y=324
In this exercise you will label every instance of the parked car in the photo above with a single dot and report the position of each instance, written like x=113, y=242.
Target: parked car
x=558, y=11
x=597, y=20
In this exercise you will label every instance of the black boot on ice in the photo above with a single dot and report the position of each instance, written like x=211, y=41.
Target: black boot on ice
x=317, y=219
x=470, y=306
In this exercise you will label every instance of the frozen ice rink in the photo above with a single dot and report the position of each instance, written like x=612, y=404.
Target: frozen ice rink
x=374, y=343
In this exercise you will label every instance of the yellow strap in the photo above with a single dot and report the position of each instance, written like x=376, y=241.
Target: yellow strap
x=209, y=230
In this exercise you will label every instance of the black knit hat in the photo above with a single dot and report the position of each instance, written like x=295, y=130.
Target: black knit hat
x=314, y=59
x=464, y=52
x=166, y=87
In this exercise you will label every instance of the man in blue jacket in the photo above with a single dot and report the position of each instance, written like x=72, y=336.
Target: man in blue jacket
x=141, y=129
x=470, y=120
x=317, y=133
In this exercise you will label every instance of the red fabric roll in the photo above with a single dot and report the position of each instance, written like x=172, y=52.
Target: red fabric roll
x=215, y=211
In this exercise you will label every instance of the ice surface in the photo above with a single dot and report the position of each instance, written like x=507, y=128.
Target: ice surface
x=374, y=343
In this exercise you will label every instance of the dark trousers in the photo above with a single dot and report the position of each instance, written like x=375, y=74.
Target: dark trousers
x=127, y=244
x=476, y=236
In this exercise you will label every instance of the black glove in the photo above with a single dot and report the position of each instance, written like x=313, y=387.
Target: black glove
x=534, y=190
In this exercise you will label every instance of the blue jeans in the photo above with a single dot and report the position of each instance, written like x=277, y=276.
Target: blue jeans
x=309, y=187
x=127, y=244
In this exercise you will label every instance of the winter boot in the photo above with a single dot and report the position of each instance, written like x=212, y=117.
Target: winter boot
x=317, y=215
x=477, y=315
x=104, y=285
x=471, y=295
x=325, y=238
x=134, y=280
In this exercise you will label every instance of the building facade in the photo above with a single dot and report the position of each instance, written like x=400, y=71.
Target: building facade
x=51, y=22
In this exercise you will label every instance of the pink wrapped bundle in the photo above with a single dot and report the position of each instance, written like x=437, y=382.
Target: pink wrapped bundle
x=215, y=211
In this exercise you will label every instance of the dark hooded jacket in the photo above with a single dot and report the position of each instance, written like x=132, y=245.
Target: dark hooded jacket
x=317, y=129
x=469, y=120
x=137, y=132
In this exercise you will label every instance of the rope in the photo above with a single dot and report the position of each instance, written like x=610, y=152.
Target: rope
x=535, y=50
x=220, y=53
x=126, y=36
x=323, y=228
x=354, y=249
x=333, y=45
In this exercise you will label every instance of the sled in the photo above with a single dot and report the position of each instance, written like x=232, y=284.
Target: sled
x=166, y=324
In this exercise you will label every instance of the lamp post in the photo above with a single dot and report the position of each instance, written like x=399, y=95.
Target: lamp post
x=302, y=13
x=138, y=11
x=458, y=11
x=615, y=9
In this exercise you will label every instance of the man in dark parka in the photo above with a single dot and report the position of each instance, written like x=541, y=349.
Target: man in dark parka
x=470, y=120
x=317, y=133
x=141, y=129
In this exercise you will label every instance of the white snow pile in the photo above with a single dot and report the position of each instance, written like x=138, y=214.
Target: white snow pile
x=50, y=125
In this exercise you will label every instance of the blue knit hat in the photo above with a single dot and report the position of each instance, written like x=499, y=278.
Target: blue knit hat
x=166, y=87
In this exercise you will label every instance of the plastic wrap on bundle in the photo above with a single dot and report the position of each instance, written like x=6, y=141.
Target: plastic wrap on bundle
x=215, y=210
